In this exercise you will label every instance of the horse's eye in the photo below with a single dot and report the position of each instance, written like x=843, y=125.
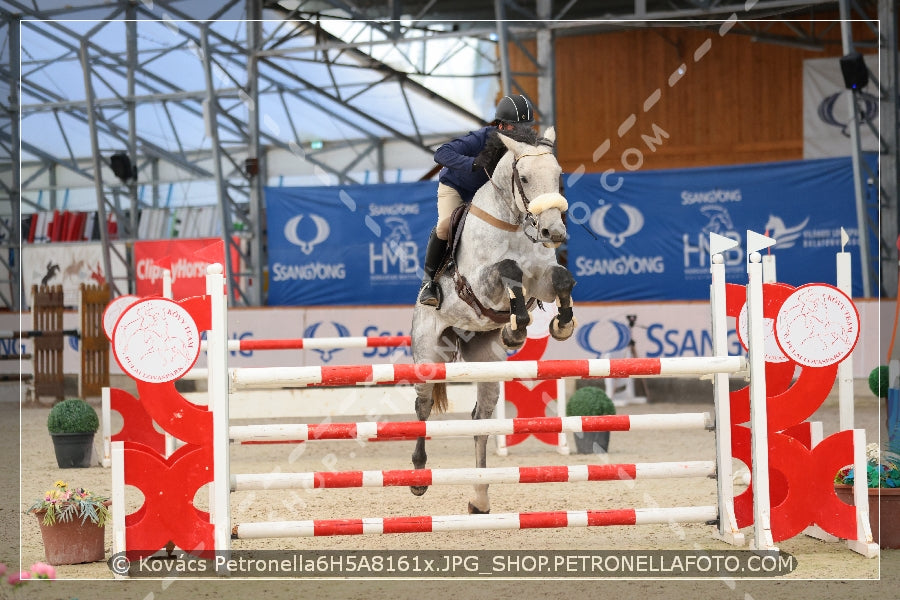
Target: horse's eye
x=524, y=180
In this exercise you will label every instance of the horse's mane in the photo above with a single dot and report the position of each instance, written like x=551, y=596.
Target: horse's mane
x=494, y=149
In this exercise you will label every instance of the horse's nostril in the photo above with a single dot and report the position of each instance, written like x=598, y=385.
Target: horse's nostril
x=545, y=233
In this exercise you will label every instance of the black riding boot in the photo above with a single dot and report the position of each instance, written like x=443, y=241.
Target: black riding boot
x=430, y=294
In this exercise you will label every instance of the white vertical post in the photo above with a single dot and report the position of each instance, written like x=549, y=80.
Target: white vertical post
x=759, y=425
x=863, y=543
x=167, y=283
x=562, y=445
x=728, y=530
x=105, y=410
x=118, y=496
x=769, y=272
x=500, y=413
x=167, y=293
x=217, y=365
x=845, y=369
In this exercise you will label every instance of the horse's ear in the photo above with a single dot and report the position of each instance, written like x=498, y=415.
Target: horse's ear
x=510, y=143
x=550, y=134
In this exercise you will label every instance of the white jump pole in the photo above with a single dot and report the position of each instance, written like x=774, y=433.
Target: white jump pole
x=728, y=530
x=759, y=433
x=217, y=359
x=845, y=368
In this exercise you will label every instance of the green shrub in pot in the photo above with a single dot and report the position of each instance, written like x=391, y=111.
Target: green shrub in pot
x=590, y=401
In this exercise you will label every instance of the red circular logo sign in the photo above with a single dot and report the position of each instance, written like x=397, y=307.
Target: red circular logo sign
x=817, y=326
x=773, y=351
x=156, y=340
x=114, y=311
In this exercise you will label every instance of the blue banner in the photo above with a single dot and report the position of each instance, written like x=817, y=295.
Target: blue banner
x=640, y=235
x=357, y=245
x=645, y=235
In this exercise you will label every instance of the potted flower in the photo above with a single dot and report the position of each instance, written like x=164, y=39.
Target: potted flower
x=73, y=524
x=590, y=401
x=10, y=582
x=72, y=424
x=882, y=479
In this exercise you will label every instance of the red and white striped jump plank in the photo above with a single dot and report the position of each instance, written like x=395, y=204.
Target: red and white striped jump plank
x=332, y=343
x=436, y=524
x=393, y=430
x=280, y=377
x=544, y=474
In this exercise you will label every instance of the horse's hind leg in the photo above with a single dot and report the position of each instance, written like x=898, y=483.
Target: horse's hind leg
x=424, y=402
x=563, y=324
x=483, y=347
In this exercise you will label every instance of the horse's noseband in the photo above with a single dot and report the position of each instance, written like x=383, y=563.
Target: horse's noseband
x=532, y=208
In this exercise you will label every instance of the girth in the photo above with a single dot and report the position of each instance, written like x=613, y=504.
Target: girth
x=463, y=288
x=465, y=293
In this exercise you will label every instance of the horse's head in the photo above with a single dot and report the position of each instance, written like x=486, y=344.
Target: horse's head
x=533, y=174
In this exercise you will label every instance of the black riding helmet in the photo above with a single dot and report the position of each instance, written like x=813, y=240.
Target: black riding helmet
x=514, y=109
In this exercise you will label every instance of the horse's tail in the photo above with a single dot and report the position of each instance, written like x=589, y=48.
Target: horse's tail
x=439, y=397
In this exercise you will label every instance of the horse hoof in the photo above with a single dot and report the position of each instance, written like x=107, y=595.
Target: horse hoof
x=418, y=490
x=561, y=332
x=511, y=339
x=474, y=510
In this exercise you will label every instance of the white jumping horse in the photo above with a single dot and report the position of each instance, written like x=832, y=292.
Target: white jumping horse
x=505, y=260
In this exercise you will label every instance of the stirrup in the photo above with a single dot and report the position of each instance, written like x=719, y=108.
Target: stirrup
x=430, y=295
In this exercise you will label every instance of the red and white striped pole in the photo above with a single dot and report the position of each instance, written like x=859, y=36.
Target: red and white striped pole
x=435, y=524
x=329, y=343
x=415, y=429
x=281, y=377
x=469, y=476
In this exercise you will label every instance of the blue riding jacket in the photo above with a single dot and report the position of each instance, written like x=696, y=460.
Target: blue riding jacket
x=457, y=157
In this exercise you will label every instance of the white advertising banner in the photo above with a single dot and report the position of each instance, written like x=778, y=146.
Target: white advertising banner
x=68, y=264
x=659, y=330
x=826, y=109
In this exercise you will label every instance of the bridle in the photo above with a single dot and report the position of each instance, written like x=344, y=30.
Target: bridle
x=529, y=220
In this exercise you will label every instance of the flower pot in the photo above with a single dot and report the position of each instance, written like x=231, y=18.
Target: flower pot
x=72, y=542
x=73, y=450
x=591, y=442
x=883, y=503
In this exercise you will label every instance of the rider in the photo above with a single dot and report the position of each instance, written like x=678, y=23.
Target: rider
x=459, y=179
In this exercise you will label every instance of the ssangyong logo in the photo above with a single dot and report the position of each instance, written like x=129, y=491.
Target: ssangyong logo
x=634, y=223
x=340, y=329
x=323, y=230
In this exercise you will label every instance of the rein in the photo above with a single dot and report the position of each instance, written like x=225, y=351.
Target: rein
x=463, y=288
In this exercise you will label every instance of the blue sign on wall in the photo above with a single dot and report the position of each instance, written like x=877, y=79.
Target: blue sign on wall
x=348, y=244
x=651, y=229
x=632, y=236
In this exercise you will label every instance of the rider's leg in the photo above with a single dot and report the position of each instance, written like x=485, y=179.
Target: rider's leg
x=447, y=201
x=430, y=294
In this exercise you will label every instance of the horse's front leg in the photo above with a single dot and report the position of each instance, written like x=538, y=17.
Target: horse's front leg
x=563, y=324
x=513, y=334
x=484, y=409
